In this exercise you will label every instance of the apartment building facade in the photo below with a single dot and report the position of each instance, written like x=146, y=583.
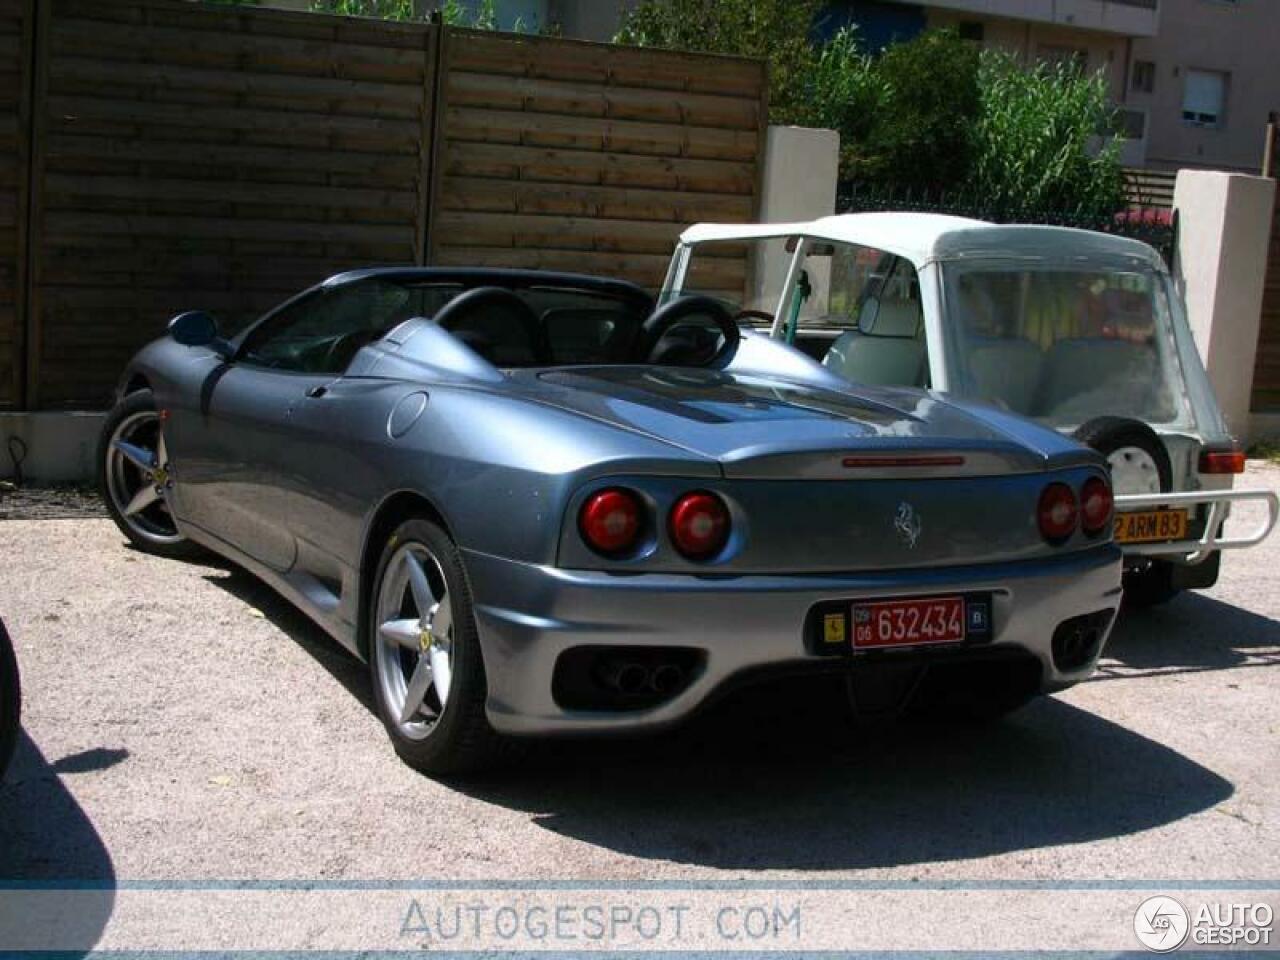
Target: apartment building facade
x=1196, y=80
x=1207, y=82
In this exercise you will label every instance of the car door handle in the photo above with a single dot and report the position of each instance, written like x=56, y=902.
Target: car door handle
x=319, y=391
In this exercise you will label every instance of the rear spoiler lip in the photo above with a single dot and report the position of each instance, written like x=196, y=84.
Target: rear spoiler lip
x=905, y=463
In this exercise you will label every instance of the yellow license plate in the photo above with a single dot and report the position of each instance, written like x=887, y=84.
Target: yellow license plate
x=1151, y=526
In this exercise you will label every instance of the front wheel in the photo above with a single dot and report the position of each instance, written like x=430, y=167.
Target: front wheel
x=424, y=654
x=10, y=699
x=136, y=478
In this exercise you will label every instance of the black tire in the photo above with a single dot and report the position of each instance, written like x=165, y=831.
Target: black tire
x=461, y=740
x=1151, y=582
x=1149, y=585
x=1109, y=434
x=179, y=548
x=10, y=700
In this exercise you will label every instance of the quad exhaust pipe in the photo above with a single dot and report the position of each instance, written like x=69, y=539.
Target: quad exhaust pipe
x=630, y=678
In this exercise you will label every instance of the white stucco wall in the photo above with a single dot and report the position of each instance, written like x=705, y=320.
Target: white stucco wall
x=801, y=165
x=1224, y=226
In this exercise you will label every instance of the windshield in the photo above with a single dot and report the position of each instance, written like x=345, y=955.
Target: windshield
x=1065, y=343
x=833, y=285
x=741, y=274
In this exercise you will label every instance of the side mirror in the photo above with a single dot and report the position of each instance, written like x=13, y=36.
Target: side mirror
x=195, y=328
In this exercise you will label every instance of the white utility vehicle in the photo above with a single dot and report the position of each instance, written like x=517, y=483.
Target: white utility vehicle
x=1083, y=331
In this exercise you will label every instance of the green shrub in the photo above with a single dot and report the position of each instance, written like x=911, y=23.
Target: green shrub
x=452, y=12
x=1041, y=139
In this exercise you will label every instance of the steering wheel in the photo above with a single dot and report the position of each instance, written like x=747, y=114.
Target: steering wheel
x=497, y=303
x=679, y=312
x=343, y=350
x=764, y=315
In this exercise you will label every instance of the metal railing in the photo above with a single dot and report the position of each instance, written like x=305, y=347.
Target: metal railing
x=1198, y=549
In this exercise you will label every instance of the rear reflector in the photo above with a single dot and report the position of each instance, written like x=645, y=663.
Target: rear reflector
x=610, y=521
x=1222, y=461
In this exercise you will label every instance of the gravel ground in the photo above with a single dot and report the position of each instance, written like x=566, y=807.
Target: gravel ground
x=182, y=723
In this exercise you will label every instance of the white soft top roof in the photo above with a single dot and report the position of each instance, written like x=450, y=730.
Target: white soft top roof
x=921, y=237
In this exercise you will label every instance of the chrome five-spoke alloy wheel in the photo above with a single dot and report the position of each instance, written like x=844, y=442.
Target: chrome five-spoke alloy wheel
x=140, y=478
x=413, y=651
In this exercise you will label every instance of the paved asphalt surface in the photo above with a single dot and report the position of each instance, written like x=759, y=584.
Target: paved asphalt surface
x=182, y=723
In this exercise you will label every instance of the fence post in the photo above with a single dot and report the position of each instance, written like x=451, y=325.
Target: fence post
x=797, y=182
x=1224, y=228
x=431, y=146
x=1269, y=149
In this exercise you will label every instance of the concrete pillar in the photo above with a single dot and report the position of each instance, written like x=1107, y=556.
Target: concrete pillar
x=1224, y=227
x=801, y=165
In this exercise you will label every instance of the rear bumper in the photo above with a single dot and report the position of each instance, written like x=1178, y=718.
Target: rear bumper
x=1196, y=550
x=529, y=615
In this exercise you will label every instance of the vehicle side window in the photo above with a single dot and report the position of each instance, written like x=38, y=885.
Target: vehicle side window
x=887, y=346
x=856, y=271
x=321, y=333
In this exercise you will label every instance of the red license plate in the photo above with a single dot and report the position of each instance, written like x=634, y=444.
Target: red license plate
x=908, y=623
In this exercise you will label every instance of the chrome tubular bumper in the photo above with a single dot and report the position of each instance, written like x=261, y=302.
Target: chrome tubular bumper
x=1196, y=550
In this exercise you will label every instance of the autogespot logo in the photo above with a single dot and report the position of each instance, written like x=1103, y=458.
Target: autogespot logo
x=1161, y=924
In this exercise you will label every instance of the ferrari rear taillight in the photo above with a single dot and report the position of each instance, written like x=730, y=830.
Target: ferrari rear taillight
x=1058, y=512
x=699, y=525
x=1096, y=504
x=611, y=521
x=1230, y=460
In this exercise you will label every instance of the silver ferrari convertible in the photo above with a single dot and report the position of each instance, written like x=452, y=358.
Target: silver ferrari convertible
x=536, y=505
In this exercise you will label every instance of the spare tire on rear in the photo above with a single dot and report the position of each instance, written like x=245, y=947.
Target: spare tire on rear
x=1135, y=453
x=1139, y=463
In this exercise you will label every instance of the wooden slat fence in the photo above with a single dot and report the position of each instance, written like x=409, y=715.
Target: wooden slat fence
x=173, y=155
x=1266, y=370
x=15, y=75
x=1149, y=188
x=565, y=155
x=203, y=156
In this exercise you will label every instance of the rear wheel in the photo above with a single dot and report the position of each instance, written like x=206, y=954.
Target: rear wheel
x=424, y=655
x=136, y=478
x=1139, y=464
x=1149, y=585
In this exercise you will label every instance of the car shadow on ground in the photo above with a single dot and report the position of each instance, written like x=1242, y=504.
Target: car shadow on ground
x=776, y=777
x=1189, y=634
x=346, y=669
x=779, y=779
x=47, y=840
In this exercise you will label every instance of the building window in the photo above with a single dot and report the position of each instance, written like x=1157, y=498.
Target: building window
x=971, y=30
x=1132, y=124
x=1144, y=76
x=1204, y=97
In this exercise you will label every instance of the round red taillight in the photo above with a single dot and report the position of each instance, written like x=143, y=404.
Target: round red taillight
x=699, y=525
x=1058, y=512
x=610, y=520
x=1095, y=505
